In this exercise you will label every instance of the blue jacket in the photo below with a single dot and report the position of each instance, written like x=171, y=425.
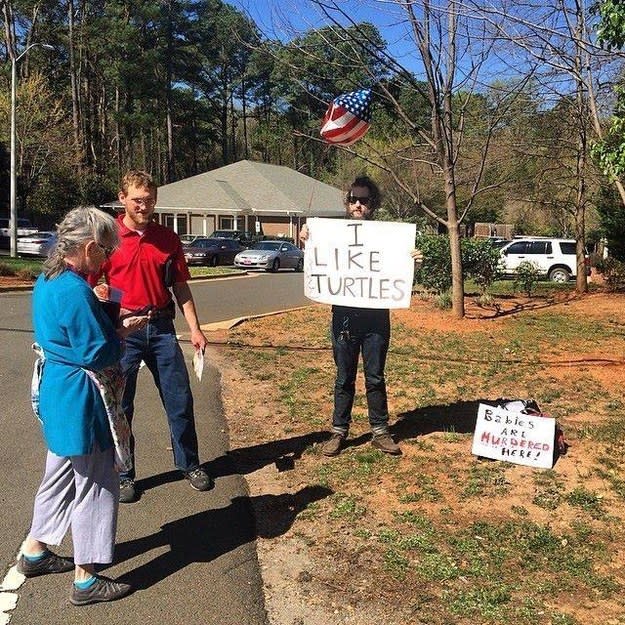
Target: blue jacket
x=74, y=332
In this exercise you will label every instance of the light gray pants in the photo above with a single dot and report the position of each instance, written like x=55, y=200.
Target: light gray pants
x=81, y=492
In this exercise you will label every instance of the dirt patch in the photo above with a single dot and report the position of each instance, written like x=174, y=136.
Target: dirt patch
x=321, y=562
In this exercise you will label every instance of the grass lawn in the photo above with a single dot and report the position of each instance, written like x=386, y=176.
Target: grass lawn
x=28, y=268
x=438, y=536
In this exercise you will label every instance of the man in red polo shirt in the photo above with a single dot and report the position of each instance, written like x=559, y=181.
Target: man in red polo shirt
x=148, y=263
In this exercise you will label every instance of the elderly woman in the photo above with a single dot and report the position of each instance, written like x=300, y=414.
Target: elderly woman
x=77, y=339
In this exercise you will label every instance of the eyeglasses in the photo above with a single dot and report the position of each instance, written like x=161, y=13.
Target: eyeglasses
x=143, y=201
x=108, y=251
x=363, y=200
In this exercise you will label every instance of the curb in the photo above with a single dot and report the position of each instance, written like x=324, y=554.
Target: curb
x=29, y=287
x=227, y=324
x=16, y=288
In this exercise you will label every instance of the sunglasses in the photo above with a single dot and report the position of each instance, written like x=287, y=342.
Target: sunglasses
x=108, y=251
x=363, y=200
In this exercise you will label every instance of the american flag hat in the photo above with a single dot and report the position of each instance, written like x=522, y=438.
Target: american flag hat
x=348, y=118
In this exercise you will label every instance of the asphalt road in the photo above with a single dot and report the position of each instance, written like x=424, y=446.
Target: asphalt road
x=252, y=294
x=191, y=555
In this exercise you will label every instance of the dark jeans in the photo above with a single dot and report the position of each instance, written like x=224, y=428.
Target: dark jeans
x=355, y=331
x=158, y=347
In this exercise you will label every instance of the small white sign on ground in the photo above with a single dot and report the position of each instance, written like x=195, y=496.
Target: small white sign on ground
x=365, y=264
x=514, y=437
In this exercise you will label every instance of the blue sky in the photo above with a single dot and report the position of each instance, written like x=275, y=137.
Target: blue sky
x=284, y=19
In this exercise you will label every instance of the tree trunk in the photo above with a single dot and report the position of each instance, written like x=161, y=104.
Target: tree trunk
x=169, y=100
x=73, y=73
x=581, y=281
x=118, y=142
x=453, y=227
x=233, y=126
x=246, y=152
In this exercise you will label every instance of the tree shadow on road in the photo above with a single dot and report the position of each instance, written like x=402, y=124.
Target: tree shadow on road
x=244, y=460
x=205, y=536
x=283, y=453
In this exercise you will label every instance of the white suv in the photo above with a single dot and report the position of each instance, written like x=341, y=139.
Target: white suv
x=555, y=258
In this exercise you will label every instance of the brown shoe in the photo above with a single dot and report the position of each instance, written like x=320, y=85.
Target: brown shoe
x=333, y=446
x=385, y=443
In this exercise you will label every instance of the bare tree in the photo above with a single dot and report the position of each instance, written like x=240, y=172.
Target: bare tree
x=454, y=46
x=557, y=39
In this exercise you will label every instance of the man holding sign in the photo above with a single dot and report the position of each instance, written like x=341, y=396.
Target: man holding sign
x=361, y=281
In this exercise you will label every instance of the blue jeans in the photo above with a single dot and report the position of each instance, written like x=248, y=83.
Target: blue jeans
x=158, y=347
x=355, y=331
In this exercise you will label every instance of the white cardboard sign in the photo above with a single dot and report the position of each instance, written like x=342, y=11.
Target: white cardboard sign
x=514, y=437
x=365, y=264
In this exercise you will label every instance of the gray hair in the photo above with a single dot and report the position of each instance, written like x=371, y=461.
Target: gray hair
x=79, y=226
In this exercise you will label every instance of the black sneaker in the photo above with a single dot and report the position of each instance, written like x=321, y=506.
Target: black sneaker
x=199, y=479
x=103, y=589
x=128, y=492
x=50, y=563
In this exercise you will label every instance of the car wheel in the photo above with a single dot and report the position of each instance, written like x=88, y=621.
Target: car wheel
x=300, y=265
x=214, y=261
x=275, y=265
x=559, y=274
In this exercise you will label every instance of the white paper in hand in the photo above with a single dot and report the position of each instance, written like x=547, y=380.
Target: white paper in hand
x=198, y=364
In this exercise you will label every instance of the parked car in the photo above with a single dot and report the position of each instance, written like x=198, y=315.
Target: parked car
x=498, y=241
x=188, y=239
x=37, y=244
x=212, y=252
x=24, y=228
x=245, y=237
x=555, y=258
x=271, y=256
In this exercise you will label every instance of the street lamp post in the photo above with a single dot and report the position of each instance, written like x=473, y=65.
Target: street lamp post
x=12, y=197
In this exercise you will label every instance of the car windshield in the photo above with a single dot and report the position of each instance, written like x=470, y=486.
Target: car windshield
x=499, y=243
x=228, y=234
x=206, y=242
x=267, y=245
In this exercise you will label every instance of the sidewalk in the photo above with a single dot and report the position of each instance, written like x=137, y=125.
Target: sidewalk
x=190, y=555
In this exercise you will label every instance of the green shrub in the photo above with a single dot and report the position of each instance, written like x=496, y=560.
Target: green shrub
x=444, y=300
x=614, y=273
x=27, y=273
x=527, y=275
x=596, y=260
x=6, y=270
x=435, y=270
x=480, y=261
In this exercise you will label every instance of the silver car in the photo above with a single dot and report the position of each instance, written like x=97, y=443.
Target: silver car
x=37, y=244
x=271, y=256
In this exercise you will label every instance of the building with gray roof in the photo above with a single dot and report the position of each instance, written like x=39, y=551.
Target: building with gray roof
x=273, y=200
